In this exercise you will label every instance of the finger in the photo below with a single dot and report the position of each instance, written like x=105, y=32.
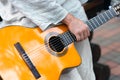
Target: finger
x=81, y=36
x=88, y=33
x=87, y=30
x=78, y=37
x=85, y=34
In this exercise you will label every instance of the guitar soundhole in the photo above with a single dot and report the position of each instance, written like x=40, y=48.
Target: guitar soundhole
x=56, y=44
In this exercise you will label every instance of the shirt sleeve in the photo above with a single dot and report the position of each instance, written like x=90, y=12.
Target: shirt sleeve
x=83, y=1
x=41, y=12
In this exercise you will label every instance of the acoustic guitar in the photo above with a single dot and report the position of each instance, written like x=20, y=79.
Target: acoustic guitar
x=30, y=54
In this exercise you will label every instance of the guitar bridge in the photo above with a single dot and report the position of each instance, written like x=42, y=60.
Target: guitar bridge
x=27, y=60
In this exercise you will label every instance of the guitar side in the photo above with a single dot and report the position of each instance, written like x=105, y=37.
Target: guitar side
x=34, y=42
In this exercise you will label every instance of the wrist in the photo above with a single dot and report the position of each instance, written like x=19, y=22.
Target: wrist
x=68, y=19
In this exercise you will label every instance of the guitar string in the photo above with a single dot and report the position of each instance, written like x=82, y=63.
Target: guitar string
x=56, y=40
x=35, y=53
x=43, y=46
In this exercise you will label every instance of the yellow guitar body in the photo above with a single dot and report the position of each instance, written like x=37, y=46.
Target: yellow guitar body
x=34, y=42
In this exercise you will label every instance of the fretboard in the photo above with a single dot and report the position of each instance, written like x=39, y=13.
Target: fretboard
x=101, y=19
x=93, y=23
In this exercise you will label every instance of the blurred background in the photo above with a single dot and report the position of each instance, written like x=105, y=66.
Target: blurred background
x=105, y=41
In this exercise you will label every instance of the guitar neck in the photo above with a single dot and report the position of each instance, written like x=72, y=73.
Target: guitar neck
x=93, y=23
x=101, y=19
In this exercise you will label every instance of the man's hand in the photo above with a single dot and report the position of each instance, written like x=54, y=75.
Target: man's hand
x=77, y=27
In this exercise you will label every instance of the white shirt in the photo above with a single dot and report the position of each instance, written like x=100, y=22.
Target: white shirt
x=40, y=13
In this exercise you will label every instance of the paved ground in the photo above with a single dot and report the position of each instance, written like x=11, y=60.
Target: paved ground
x=108, y=37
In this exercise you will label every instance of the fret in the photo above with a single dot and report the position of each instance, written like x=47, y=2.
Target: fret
x=100, y=19
x=69, y=35
x=103, y=18
x=92, y=23
x=90, y=26
x=73, y=36
x=114, y=12
x=67, y=38
x=106, y=13
x=95, y=21
x=64, y=39
x=103, y=15
x=111, y=13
